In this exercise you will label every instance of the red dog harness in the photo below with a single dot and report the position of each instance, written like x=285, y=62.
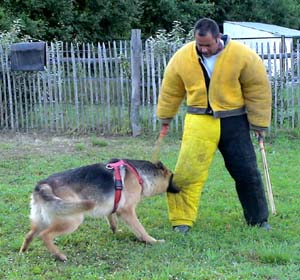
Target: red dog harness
x=118, y=180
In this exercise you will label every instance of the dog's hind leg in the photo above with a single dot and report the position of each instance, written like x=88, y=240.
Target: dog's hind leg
x=57, y=229
x=28, y=238
x=113, y=222
x=130, y=218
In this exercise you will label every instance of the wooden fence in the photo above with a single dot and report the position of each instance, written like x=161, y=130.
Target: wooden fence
x=112, y=88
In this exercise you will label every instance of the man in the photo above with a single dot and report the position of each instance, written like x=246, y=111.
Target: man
x=227, y=92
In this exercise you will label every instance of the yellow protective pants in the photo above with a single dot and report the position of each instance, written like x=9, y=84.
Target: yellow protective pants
x=199, y=144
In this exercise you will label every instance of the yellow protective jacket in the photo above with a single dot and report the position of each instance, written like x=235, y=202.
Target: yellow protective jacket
x=239, y=85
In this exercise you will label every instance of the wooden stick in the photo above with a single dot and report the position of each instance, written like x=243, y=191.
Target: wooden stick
x=267, y=176
x=156, y=150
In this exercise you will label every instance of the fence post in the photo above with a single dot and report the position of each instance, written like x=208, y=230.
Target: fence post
x=136, y=52
x=283, y=52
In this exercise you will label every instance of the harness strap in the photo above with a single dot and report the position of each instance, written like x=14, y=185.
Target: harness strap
x=118, y=179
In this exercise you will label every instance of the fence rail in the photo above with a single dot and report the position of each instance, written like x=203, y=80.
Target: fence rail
x=112, y=88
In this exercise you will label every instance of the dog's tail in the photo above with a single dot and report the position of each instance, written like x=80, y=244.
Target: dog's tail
x=44, y=196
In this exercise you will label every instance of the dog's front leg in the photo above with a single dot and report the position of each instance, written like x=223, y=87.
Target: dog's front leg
x=130, y=218
x=113, y=222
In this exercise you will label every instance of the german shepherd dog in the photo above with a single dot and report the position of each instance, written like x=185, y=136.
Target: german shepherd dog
x=58, y=203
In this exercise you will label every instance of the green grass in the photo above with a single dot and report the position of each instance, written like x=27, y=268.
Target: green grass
x=220, y=246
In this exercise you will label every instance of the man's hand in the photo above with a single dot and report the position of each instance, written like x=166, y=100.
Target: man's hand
x=260, y=134
x=162, y=134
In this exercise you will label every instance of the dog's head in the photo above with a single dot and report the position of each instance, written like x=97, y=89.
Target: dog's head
x=172, y=187
x=156, y=177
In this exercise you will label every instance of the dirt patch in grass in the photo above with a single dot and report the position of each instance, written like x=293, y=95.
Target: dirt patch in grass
x=20, y=144
x=23, y=143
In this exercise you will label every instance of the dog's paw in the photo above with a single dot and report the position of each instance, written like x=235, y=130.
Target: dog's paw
x=61, y=257
x=22, y=250
x=154, y=241
x=160, y=241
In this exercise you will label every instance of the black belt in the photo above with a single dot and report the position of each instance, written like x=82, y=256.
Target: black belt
x=200, y=111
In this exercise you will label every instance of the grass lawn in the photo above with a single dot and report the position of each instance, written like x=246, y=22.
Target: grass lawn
x=220, y=245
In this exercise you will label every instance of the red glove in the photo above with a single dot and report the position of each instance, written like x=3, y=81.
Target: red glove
x=164, y=130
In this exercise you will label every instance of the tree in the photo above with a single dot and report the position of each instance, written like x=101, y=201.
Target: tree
x=70, y=20
x=102, y=20
x=160, y=14
x=105, y=20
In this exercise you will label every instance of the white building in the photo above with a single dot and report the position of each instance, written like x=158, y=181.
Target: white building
x=263, y=38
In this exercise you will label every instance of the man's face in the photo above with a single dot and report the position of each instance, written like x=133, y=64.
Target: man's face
x=207, y=45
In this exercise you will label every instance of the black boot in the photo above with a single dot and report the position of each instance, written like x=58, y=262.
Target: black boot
x=265, y=225
x=181, y=228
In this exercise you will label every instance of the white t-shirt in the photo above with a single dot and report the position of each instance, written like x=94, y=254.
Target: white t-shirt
x=209, y=63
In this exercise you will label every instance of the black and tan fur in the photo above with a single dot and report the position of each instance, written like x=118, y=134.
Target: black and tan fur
x=58, y=203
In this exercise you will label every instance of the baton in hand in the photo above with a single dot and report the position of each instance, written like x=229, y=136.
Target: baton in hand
x=266, y=171
x=162, y=135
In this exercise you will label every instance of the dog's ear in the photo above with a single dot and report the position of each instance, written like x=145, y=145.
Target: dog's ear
x=159, y=165
x=113, y=160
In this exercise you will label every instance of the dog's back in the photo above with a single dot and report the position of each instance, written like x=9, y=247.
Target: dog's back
x=84, y=180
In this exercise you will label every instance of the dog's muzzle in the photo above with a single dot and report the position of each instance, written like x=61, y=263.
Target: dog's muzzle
x=172, y=188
